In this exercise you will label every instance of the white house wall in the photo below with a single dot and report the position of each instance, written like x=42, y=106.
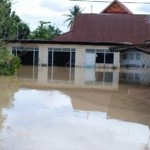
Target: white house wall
x=145, y=60
x=80, y=52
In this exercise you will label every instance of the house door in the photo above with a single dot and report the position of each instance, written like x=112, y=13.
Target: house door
x=90, y=58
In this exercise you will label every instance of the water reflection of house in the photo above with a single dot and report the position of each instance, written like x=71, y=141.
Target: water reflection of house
x=82, y=77
x=90, y=100
x=89, y=42
x=128, y=107
x=101, y=78
x=72, y=77
x=131, y=106
x=135, y=76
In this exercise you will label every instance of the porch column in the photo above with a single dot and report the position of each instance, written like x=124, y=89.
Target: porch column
x=43, y=55
x=80, y=56
x=117, y=59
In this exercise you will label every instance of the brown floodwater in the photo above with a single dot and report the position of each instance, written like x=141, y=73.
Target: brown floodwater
x=43, y=108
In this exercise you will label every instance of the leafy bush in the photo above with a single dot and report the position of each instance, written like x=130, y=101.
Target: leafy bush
x=9, y=63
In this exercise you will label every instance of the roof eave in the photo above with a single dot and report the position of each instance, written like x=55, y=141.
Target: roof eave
x=66, y=42
x=138, y=47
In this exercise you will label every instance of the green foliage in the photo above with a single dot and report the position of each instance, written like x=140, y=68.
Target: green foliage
x=23, y=31
x=72, y=15
x=11, y=26
x=8, y=62
x=45, y=31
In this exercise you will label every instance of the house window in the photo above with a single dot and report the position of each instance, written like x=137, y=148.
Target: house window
x=100, y=58
x=138, y=56
x=65, y=49
x=109, y=58
x=90, y=50
x=102, y=55
x=100, y=50
x=131, y=56
x=57, y=49
x=125, y=56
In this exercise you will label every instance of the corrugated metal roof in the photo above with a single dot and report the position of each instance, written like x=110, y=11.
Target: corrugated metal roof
x=111, y=28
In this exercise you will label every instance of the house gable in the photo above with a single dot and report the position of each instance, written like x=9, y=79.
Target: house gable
x=116, y=8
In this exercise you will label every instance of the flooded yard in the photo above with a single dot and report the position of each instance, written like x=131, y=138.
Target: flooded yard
x=43, y=108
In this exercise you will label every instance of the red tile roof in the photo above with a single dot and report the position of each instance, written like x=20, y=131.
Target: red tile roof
x=111, y=28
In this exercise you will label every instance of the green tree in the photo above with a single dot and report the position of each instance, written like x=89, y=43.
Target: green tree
x=11, y=26
x=72, y=15
x=45, y=31
x=5, y=10
x=8, y=21
x=23, y=31
x=20, y=29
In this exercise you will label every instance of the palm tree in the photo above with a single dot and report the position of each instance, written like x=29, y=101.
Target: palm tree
x=73, y=13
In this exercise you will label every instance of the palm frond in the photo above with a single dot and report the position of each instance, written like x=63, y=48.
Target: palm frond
x=72, y=14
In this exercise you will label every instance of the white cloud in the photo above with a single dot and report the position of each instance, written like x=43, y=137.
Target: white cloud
x=40, y=10
x=54, y=10
x=58, y=5
x=144, y=9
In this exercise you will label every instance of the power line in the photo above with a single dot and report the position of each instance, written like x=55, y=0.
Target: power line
x=99, y=1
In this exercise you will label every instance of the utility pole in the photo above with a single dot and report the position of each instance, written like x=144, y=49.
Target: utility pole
x=17, y=30
x=91, y=9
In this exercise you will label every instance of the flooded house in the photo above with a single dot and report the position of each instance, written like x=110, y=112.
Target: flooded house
x=113, y=38
x=63, y=97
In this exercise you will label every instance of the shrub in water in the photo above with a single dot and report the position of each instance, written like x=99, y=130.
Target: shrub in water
x=9, y=63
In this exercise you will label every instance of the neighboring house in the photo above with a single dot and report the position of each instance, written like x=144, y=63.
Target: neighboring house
x=135, y=58
x=93, y=40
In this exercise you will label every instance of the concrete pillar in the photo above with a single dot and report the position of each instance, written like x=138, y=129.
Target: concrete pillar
x=43, y=55
x=80, y=55
x=117, y=59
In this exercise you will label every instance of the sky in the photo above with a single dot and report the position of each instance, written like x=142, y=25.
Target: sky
x=33, y=11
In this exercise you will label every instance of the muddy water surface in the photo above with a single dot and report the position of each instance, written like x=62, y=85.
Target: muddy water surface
x=78, y=109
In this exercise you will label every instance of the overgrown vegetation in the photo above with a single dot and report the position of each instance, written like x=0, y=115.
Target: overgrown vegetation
x=9, y=29
x=9, y=63
x=11, y=26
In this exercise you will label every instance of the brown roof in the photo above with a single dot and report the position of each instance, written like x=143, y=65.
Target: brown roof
x=111, y=28
x=116, y=8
